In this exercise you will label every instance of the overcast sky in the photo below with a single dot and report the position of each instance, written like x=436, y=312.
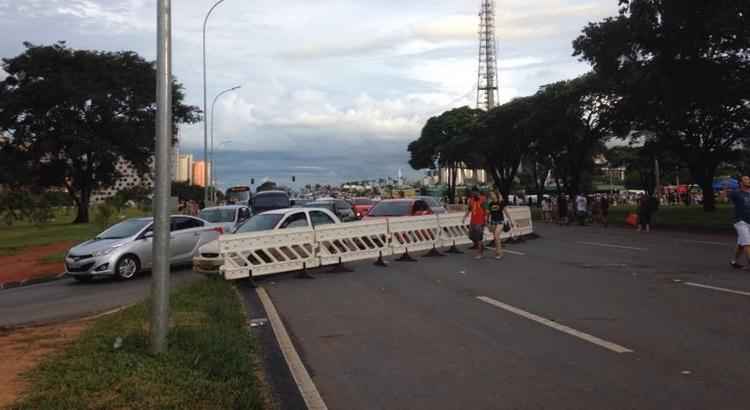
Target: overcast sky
x=332, y=90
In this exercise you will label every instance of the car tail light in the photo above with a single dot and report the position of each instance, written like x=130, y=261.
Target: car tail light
x=218, y=229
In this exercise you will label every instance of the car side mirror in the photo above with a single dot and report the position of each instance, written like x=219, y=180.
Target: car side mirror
x=148, y=235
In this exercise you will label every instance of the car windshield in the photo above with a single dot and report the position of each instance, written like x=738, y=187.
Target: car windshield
x=362, y=201
x=238, y=197
x=400, y=208
x=271, y=201
x=124, y=229
x=262, y=222
x=432, y=202
x=217, y=215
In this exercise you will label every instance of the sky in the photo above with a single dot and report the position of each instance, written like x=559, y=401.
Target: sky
x=331, y=90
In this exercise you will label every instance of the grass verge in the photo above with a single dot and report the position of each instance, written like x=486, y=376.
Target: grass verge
x=18, y=236
x=677, y=217
x=209, y=364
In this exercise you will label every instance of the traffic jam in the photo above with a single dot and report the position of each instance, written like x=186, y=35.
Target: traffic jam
x=124, y=250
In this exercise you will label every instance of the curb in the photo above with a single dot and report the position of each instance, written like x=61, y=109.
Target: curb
x=29, y=282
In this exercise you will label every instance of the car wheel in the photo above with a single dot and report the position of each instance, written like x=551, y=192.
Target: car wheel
x=83, y=279
x=127, y=267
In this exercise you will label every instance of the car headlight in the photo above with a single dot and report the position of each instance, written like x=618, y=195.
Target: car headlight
x=105, y=251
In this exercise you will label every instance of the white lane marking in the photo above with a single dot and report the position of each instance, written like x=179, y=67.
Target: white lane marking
x=514, y=252
x=562, y=328
x=708, y=242
x=606, y=245
x=736, y=292
x=306, y=386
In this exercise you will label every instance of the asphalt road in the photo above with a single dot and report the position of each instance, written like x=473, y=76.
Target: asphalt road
x=584, y=318
x=68, y=299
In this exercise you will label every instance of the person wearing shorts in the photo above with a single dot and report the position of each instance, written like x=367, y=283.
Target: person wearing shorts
x=497, y=219
x=478, y=217
x=741, y=201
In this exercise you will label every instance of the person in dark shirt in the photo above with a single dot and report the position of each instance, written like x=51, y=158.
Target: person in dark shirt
x=741, y=201
x=604, y=207
x=562, y=209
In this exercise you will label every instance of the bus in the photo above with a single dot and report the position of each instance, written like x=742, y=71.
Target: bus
x=239, y=195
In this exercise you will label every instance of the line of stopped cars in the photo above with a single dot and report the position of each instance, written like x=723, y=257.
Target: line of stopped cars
x=125, y=249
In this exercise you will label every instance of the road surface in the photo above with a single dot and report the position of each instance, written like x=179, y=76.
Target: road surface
x=584, y=318
x=67, y=299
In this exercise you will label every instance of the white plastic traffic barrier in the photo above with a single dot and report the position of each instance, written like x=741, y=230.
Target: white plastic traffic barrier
x=521, y=221
x=453, y=230
x=264, y=253
x=352, y=241
x=286, y=250
x=417, y=233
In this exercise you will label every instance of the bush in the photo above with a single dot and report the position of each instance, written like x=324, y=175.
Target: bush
x=104, y=215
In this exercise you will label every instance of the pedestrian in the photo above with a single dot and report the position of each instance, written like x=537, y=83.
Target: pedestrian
x=644, y=213
x=604, y=206
x=498, y=218
x=581, y=209
x=562, y=209
x=741, y=201
x=478, y=217
x=547, y=209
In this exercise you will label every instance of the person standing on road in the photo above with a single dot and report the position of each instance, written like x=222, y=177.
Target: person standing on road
x=497, y=219
x=478, y=215
x=562, y=209
x=605, y=210
x=644, y=213
x=741, y=201
x=581, y=209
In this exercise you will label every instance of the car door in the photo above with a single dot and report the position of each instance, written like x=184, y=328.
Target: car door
x=186, y=235
x=295, y=220
x=143, y=246
x=344, y=210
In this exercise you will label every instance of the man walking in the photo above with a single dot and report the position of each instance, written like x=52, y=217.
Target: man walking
x=741, y=201
x=605, y=210
x=478, y=214
x=581, y=209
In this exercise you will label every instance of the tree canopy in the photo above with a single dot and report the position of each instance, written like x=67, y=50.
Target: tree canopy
x=72, y=114
x=682, y=70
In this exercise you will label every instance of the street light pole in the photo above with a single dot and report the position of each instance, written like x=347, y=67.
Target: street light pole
x=205, y=106
x=160, y=268
x=213, y=108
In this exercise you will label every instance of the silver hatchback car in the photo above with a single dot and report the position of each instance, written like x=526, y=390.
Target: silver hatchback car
x=125, y=249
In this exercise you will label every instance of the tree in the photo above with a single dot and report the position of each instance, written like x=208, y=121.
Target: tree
x=572, y=120
x=77, y=112
x=184, y=191
x=444, y=143
x=502, y=139
x=683, y=72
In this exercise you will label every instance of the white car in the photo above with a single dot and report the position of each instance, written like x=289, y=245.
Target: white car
x=229, y=217
x=209, y=260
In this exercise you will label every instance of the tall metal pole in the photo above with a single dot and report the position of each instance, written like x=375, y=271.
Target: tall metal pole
x=213, y=109
x=160, y=274
x=205, y=107
x=657, y=177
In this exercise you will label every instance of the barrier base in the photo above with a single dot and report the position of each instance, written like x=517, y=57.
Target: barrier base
x=406, y=258
x=433, y=253
x=304, y=274
x=380, y=262
x=454, y=250
x=340, y=268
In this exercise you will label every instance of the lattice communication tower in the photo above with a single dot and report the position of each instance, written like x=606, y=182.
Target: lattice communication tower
x=487, y=83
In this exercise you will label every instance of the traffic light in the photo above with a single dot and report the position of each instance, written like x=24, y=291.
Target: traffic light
x=294, y=179
x=252, y=181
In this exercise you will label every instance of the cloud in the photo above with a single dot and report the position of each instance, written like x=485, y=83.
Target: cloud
x=331, y=89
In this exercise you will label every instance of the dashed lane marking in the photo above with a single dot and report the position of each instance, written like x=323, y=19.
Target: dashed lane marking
x=707, y=242
x=562, y=328
x=700, y=285
x=607, y=245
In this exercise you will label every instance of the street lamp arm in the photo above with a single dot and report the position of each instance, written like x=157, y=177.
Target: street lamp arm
x=211, y=10
x=205, y=106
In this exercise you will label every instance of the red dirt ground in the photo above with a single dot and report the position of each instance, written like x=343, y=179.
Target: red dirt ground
x=27, y=264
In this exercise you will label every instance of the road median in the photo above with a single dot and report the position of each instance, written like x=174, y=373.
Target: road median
x=210, y=363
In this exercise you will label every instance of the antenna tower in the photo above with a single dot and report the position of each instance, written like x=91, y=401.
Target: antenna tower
x=487, y=90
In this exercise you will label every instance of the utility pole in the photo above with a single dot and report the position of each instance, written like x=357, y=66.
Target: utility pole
x=160, y=274
x=657, y=177
x=205, y=108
